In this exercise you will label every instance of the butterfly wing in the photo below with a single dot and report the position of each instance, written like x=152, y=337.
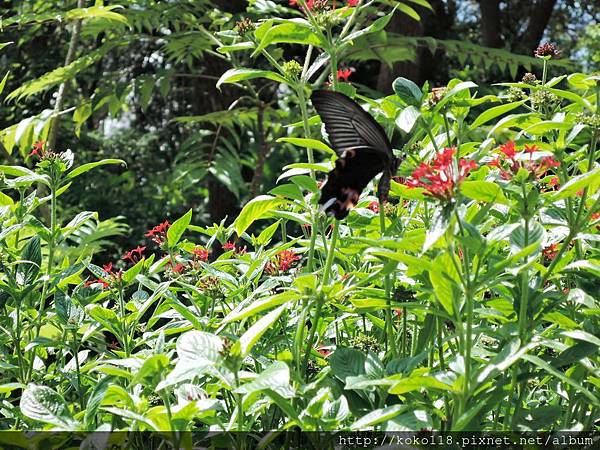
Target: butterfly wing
x=362, y=145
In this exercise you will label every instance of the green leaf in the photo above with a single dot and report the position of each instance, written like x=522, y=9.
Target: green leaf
x=494, y=112
x=256, y=209
x=408, y=91
x=244, y=345
x=308, y=143
x=439, y=224
x=378, y=416
x=560, y=375
x=177, y=229
x=61, y=74
x=199, y=346
x=483, y=191
x=261, y=305
x=347, y=362
x=276, y=378
x=590, y=180
x=462, y=86
x=95, y=400
x=31, y=262
x=443, y=279
x=89, y=166
x=518, y=237
x=46, y=405
x=265, y=236
x=408, y=118
x=418, y=382
x=291, y=31
x=98, y=11
x=236, y=75
x=3, y=82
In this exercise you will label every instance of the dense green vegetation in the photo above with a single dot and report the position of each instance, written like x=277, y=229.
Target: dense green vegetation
x=212, y=293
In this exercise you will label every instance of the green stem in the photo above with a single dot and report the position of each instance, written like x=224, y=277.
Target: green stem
x=320, y=296
x=389, y=325
x=78, y=369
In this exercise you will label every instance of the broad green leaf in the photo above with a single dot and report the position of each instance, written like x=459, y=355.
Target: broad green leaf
x=256, y=209
x=46, y=405
x=408, y=91
x=260, y=305
x=408, y=118
x=89, y=166
x=244, y=345
x=236, y=75
x=483, y=191
x=494, y=112
x=560, y=375
x=308, y=143
x=590, y=180
x=177, y=229
x=265, y=236
x=292, y=31
x=418, y=382
x=95, y=400
x=31, y=262
x=379, y=416
x=276, y=378
x=347, y=362
x=199, y=345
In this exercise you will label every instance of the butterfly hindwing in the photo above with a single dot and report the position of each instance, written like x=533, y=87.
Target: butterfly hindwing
x=363, y=147
x=351, y=174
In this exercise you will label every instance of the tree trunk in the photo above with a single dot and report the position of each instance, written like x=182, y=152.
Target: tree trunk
x=538, y=21
x=402, y=24
x=491, y=24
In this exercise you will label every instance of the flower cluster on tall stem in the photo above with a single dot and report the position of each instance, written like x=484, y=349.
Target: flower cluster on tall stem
x=284, y=261
x=158, y=234
x=441, y=177
x=509, y=161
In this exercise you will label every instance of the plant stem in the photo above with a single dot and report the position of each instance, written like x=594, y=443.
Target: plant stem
x=389, y=325
x=320, y=295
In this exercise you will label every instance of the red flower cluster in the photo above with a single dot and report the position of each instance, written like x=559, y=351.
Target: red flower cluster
x=229, y=246
x=38, y=149
x=284, y=261
x=551, y=251
x=438, y=177
x=200, y=254
x=323, y=351
x=509, y=162
x=134, y=255
x=374, y=206
x=159, y=233
x=344, y=74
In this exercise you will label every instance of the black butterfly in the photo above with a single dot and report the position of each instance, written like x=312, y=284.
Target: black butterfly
x=363, y=148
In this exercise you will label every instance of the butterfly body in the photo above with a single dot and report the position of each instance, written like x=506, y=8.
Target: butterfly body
x=363, y=149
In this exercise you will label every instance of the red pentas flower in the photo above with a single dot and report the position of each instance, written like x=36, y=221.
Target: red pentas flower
x=596, y=216
x=323, y=351
x=37, y=149
x=374, y=206
x=344, y=74
x=284, y=261
x=134, y=255
x=438, y=177
x=551, y=251
x=200, y=254
x=229, y=246
x=159, y=232
x=510, y=161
